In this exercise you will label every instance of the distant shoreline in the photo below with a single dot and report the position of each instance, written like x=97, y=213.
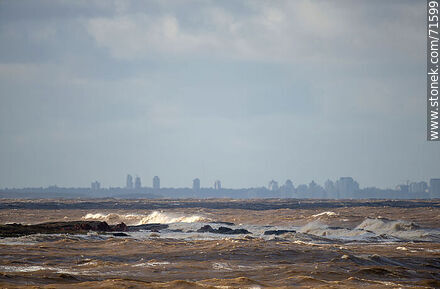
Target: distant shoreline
x=247, y=204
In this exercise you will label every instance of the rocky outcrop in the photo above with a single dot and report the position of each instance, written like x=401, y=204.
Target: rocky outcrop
x=74, y=227
x=222, y=230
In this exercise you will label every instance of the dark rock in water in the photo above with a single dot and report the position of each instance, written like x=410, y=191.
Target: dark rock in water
x=120, y=227
x=206, y=229
x=223, y=223
x=335, y=228
x=74, y=227
x=156, y=227
x=120, y=235
x=239, y=231
x=278, y=232
x=177, y=230
x=67, y=277
x=222, y=230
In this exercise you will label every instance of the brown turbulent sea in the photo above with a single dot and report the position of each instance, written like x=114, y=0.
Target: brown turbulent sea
x=325, y=244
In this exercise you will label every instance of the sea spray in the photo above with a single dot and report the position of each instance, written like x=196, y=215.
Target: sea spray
x=139, y=219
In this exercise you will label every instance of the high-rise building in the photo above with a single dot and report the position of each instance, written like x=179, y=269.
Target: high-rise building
x=95, y=185
x=329, y=187
x=156, y=183
x=273, y=185
x=137, y=183
x=196, y=184
x=434, y=188
x=315, y=190
x=402, y=188
x=419, y=187
x=302, y=191
x=129, y=184
x=288, y=186
x=217, y=185
x=346, y=187
x=287, y=190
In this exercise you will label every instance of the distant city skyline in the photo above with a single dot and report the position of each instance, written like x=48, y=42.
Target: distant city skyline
x=342, y=188
x=346, y=183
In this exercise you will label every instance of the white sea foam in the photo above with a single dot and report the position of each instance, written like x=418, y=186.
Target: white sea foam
x=402, y=248
x=138, y=219
x=372, y=230
x=152, y=264
x=316, y=231
x=35, y=268
x=328, y=213
x=396, y=228
x=322, y=230
x=314, y=228
x=221, y=266
x=168, y=218
x=381, y=225
x=24, y=268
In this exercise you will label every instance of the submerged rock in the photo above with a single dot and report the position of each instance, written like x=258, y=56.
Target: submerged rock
x=155, y=227
x=222, y=230
x=278, y=232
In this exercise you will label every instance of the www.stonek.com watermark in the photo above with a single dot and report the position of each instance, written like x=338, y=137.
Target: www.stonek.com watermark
x=433, y=71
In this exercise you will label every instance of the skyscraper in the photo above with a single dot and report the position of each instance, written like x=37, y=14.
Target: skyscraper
x=129, y=184
x=418, y=187
x=156, y=183
x=288, y=186
x=434, y=188
x=346, y=187
x=329, y=187
x=95, y=185
x=137, y=183
x=273, y=185
x=287, y=190
x=217, y=185
x=196, y=184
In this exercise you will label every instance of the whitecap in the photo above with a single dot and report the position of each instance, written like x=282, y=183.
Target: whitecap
x=328, y=213
x=139, y=219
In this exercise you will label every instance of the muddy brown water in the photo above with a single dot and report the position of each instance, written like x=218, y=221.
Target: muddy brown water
x=342, y=247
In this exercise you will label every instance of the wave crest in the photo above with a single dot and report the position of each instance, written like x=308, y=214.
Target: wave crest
x=138, y=219
x=386, y=226
x=372, y=229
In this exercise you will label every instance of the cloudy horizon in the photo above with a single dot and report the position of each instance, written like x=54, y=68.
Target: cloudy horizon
x=240, y=91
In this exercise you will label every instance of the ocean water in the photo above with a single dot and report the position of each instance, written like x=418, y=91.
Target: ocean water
x=345, y=247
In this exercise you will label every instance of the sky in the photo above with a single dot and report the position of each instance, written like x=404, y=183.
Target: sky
x=240, y=91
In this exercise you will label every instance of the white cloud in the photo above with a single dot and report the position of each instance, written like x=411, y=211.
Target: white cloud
x=141, y=35
x=281, y=31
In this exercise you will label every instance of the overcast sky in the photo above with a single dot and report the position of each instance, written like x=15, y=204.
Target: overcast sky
x=241, y=91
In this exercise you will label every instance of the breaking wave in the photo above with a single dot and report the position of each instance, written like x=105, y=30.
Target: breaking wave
x=329, y=213
x=386, y=226
x=137, y=219
x=396, y=228
x=317, y=228
x=372, y=230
